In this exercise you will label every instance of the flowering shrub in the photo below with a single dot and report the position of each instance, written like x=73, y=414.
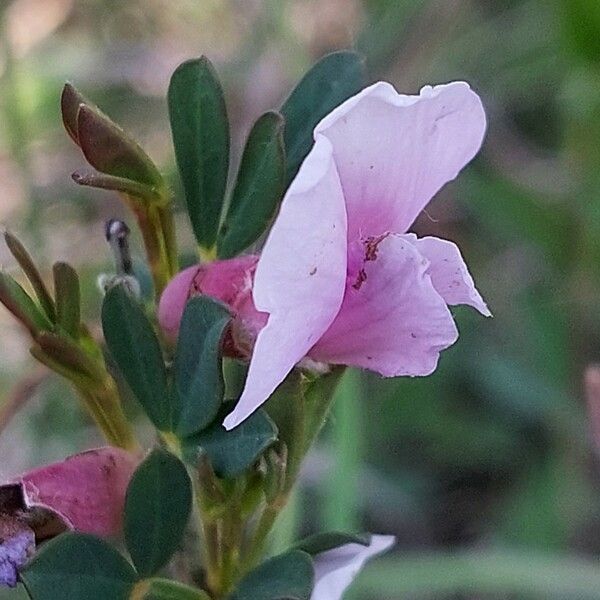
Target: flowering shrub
x=339, y=282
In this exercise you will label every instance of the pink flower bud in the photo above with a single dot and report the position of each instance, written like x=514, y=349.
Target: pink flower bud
x=229, y=281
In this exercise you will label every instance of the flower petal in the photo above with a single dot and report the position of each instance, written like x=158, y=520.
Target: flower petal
x=86, y=490
x=394, y=152
x=336, y=569
x=300, y=277
x=449, y=273
x=392, y=320
x=229, y=281
x=173, y=300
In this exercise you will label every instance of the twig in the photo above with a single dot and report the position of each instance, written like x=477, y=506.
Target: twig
x=19, y=396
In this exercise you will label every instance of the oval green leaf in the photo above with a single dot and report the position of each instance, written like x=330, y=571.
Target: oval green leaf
x=200, y=131
x=74, y=566
x=199, y=385
x=134, y=346
x=231, y=452
x=258, y=187
x=329, y=82
x=157, y=510
x=289, y=576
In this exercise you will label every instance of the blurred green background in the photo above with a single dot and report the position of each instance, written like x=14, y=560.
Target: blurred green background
x=484, y=471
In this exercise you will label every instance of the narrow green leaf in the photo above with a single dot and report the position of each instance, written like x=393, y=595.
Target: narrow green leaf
x=157, y=509
x=134, y=346
x=231, y=452
x=19, y=303
x=198, y=364
x=322, y=542
x=110, y=150
x=117, y=184
x=258, y=188
x=31, y=271
x=165, y=589
x=74, y=566
x=68, y=298
x=329, y=82
x=289, y=576
x=201, y=138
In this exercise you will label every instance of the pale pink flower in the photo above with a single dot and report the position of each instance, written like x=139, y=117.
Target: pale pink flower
x=336, y=569
x=340, y=281
x=340, y=278
x=85, y=492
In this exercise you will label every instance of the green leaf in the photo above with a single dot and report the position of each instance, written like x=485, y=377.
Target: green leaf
x=19, y=303
x=198, y=364
x=289, y=576
x=157, y=510
x=201, y=138
x=74, y=566
x=322, y=542
x=117, y=184
x=258, y=188
x=110, y=150
x=26, y=263
x=231, y=452
x=165, y=589
x=329, y=82
x=134, y=346
x=68, y=298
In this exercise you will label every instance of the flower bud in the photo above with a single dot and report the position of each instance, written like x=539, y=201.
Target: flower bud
x=229, y=281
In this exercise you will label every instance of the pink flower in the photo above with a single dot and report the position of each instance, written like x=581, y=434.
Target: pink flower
x=340, y=278
x=85, y=492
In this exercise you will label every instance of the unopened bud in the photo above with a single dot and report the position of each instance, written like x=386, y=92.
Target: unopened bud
x=229, y=281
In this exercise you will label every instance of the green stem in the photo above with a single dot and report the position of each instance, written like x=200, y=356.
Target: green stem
x=158, y=232
x=100, y=396
x=342, y=485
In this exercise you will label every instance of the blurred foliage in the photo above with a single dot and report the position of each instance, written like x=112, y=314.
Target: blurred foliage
x=493, y=450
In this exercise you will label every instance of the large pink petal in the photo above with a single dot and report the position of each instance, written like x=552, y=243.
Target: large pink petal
x=86, y=490
x=392, y=320
x=336, y=569
x=300, y=277
x=449, y=273
x=394, y=152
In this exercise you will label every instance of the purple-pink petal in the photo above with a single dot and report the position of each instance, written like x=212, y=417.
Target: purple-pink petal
x=336, y=569
x=394, y=152
x=300, y=277
x=392, y=320
x=449, y=273
x=87, y=490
